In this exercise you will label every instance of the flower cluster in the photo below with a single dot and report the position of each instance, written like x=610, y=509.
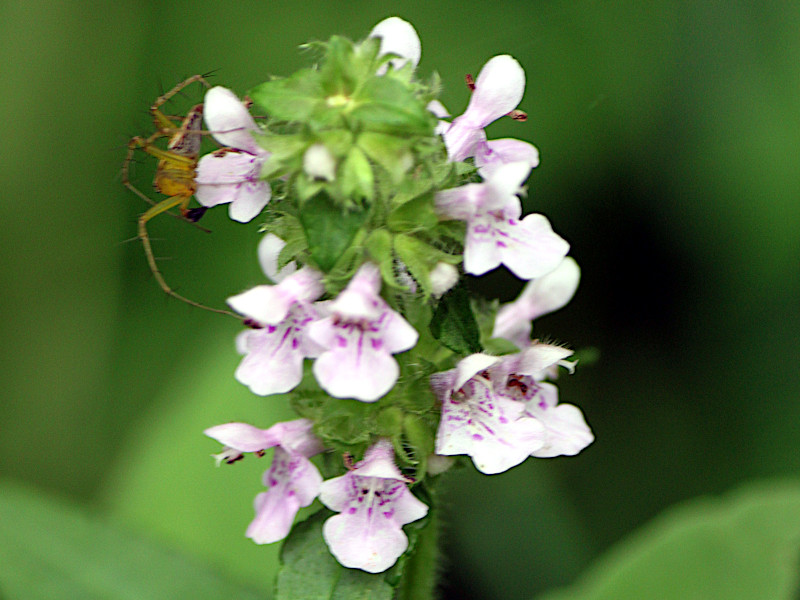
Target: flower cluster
x=373, y=204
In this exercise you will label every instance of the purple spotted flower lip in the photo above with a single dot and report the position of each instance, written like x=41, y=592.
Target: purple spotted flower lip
x=477, y=421
x=292, y=479
x=374, y=503
x=498, y=91
x=540, y=296
x=495, y=234
x=232, y=174
x=275, y=350
x=359, y=338
x=520, y=378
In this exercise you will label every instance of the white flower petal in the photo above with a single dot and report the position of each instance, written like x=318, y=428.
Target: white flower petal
x=530, y=248
x=225, y=169
x=495, y=153
x=552, y=291
x=498, y=90
x=229, y=121
x=267, y=304
x=269, y=249
x=241, y=436
x=251, y=198
x=356, y=372
x=398, y=37
x=274, y=361
x=293, y=482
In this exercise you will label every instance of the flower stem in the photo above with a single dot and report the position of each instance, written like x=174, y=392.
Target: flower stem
x=421, y=571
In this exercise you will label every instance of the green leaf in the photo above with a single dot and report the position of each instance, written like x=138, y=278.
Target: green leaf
x=387, y=105
x=391, y=152
x=356, y=178
x=50, y=548
x=454, y=324
x=310, y=572
x=420, y=258
x=296, y=98
x=741, y=546
x=414, y=215
x=329, y=228
x=379, y=246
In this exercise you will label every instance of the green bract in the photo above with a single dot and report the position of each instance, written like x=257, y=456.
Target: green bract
x=382, y=161
x=374, y=126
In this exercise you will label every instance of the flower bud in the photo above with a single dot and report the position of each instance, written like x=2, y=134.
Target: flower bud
x=319, y=164
x=443, y=277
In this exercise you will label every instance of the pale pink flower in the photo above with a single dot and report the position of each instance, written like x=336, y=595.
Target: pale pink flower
x=519, y=378
x=374, y=503
x=495, y=235
x=540, y=296
x=477, y=421
x=359, y=338
x=292, y=479
x=232, y=175
x=280, y=315
x=498, y=91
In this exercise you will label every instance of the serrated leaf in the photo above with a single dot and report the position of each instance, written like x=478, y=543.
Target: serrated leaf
x=329, y=229
x=742, y=546
x=50, y=548
x=454, y=324
x=310, y=572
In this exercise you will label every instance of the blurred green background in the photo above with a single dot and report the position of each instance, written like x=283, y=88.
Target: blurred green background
x=668, y=135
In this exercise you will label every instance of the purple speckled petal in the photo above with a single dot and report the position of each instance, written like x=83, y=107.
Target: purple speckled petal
x=356, y=370
x=488, y=427
x=495, y=153
x=274, y=360
x=374, y=503
x=566, y=430
x=293, y=482
x=530, y=248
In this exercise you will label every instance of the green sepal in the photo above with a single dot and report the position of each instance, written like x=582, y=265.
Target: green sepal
x=306, y=188
x=356, y=179
x=387, y=105
x=298, y=98
x=390, y=422
x=415, y=215
x=420, y=258
x=455, y=230
x=329, y=229
x=379, y=246
x=337, y=141
x=420, y=438
x=286, y=154
x=390, y=152
x=454, y=324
